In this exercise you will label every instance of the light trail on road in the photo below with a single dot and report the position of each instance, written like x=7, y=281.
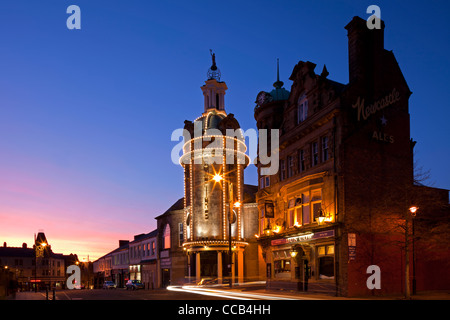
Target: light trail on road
x=232, y=294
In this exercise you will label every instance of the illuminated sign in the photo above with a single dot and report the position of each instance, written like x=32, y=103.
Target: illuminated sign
x=303, y=237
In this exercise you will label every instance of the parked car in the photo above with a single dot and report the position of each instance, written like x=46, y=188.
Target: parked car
x=109, y=285
x=134, y=284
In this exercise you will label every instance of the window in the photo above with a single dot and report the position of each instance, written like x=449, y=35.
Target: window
x=315, y=154
x=316, y=202
x=282, y=170
x=306, y=214
x=282, y=264
x=302, y=109
x=166, y=237
x=153, y=247
x=301, y=161
x=324, y=149
x=290, y=163
x=291, y=213
x=326, y=261
x=304, y=207
x=264, y=182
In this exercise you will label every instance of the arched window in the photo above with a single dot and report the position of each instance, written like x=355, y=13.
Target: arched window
x=166, y=237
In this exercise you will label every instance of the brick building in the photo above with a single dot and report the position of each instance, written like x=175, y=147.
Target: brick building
x=340, y=201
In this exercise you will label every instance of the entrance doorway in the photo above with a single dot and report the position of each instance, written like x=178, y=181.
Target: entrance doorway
x=165, y=274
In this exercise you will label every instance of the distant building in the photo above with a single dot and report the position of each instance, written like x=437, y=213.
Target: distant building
x=135, y=260
x=37, y=267
x=143, y=255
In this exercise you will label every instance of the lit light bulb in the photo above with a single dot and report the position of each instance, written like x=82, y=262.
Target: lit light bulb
x=217, y=177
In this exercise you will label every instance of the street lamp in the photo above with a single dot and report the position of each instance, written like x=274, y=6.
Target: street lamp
x=293, y=252
x=321, y=217
x=217, y=177
x=413, y=211
x=237, y=204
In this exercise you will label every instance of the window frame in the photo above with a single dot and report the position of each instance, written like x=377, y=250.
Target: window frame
x=325, y=148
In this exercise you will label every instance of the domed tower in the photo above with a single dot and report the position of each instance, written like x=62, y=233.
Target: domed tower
x=214, y=161
x=269, y=105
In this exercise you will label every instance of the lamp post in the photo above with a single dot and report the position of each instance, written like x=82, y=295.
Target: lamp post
x=413, y=211
x=237, y=204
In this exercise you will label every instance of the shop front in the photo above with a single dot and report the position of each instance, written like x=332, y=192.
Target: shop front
x=303, y=262
x=135, y=272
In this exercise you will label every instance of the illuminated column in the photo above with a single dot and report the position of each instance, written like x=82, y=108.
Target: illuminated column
x=224, y=195
x=197, y=267
x=240, y=265
x=219, y=266
x=238, y=174
x=191, y=193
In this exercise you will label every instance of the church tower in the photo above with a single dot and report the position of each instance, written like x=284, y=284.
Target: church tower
x=214, y=161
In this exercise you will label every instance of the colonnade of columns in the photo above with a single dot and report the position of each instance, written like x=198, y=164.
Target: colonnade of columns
x=238, y=255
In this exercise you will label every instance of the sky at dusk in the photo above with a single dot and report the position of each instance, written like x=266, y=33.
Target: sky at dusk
x=86, y=116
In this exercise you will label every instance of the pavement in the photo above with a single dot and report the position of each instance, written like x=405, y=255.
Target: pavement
x=426, y=295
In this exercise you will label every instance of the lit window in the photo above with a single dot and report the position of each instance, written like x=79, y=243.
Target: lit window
x=306, y=214
x=166, y=237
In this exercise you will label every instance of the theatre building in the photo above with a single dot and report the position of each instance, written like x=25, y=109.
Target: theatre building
x=219, y=222
x=340, y=201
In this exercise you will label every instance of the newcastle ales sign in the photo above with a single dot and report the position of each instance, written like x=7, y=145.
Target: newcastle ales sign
x=364, y=112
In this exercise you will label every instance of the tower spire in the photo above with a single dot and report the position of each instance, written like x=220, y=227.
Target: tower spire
x=278, y=84
x=213, y=71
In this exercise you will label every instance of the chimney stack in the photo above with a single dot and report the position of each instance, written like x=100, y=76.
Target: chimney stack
x=123, y=242
x=365, y=47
